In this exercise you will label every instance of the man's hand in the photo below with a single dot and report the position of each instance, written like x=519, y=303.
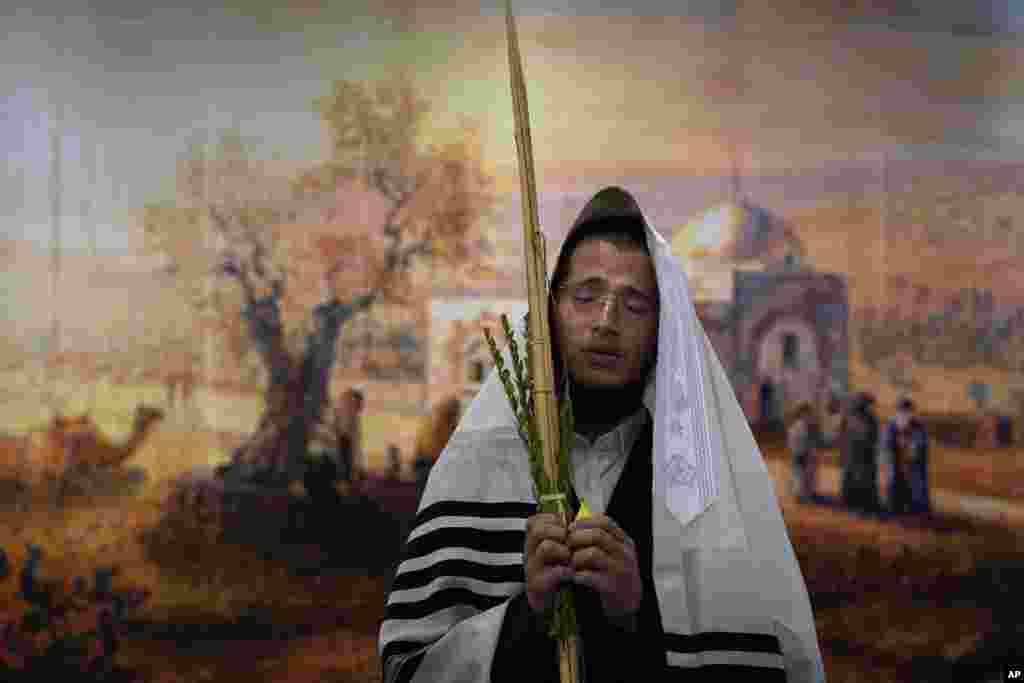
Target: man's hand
x=604, y=559
x=547, y=560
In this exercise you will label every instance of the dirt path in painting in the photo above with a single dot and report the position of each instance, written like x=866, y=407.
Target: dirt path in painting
x=944, y=501
x=908, y=598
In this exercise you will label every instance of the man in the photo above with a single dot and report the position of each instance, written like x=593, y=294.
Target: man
x=333, y=448
x=350, y=423
x=858, y=452
x=804, y=439
x=685, y=568
x=906, y=444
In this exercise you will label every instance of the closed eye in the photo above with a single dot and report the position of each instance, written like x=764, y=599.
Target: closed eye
x=639, y=305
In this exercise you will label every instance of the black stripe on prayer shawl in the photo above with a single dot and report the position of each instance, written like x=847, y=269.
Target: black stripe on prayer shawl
x=720, y=641
x=442, y=599
x=495, y=541
x=459, y=508
x=488, y=541
x=497, y=573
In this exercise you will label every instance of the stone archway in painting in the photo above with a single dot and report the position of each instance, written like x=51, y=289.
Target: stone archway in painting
x=787, y=354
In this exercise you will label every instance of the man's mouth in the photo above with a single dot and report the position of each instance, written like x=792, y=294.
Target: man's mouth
x=604, y=357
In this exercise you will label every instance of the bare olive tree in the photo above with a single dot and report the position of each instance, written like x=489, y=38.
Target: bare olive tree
x=229, y=230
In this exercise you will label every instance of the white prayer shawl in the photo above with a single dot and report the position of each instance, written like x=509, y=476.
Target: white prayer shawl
x=729, y=588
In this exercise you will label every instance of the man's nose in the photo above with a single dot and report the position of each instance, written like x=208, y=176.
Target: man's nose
x=608, y=313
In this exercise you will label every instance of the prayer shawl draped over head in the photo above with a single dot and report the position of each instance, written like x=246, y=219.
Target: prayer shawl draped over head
x=729, y=589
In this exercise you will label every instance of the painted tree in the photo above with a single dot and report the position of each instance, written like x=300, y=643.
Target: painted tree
x=233, y=229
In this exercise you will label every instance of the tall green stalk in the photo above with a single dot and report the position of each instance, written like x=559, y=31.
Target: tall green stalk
x=560, y=621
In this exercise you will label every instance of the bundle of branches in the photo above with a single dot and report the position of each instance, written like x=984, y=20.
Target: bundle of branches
x=551, y=494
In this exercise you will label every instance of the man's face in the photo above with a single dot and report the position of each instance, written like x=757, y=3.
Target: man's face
x=607, y=341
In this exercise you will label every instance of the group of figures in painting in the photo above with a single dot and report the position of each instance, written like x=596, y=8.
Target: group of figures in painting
x=863, y=442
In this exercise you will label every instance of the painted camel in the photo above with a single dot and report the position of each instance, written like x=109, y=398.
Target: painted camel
x=91, y=450
x=67, y=446
x=38, y=456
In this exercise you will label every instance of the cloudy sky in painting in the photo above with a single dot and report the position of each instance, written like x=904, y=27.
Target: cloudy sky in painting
x=612, y=86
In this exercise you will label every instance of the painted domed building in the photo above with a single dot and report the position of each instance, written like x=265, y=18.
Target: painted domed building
x=734, y=236
x=779, y=327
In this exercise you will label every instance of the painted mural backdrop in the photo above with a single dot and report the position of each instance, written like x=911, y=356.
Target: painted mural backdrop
x=218, y=220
